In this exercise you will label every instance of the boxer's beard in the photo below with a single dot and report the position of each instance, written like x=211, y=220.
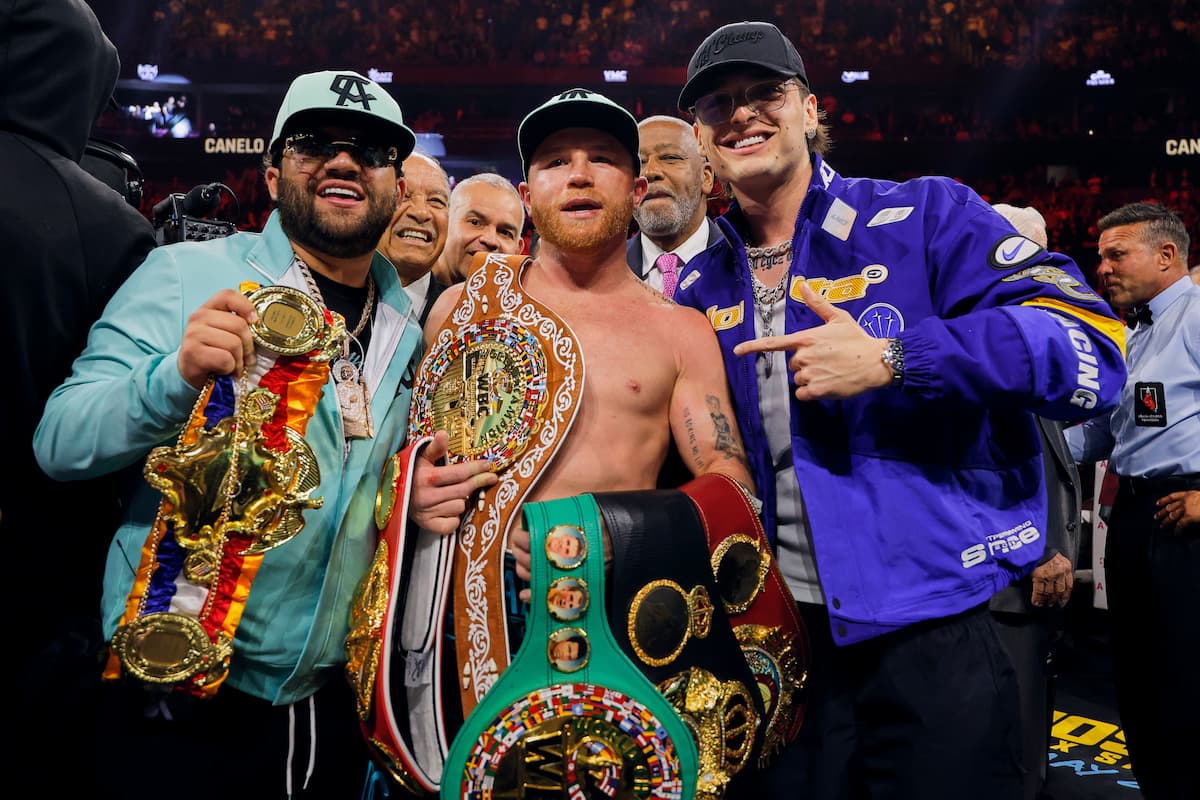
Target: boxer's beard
x=582, y=235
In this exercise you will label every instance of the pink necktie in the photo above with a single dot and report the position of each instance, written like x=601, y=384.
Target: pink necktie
x=668, y=264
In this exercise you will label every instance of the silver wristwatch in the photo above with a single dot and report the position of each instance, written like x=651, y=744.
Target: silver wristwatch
x=893, y=356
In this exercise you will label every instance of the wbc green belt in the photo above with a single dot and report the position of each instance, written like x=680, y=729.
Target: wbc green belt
x=571, y=717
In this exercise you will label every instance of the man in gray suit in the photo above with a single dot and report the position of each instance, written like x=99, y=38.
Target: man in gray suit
x=1029, y=613
x=672, y=219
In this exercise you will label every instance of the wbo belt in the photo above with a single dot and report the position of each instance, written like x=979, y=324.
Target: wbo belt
x=571, y=717
x=761, y=609
x=394, y=649
x=663, y=617
x=1159, y=486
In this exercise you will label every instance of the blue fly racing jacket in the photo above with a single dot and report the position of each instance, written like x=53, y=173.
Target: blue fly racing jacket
x=926, y=499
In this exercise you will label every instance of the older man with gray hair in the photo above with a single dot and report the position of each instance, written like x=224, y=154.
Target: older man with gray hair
x=672, y=218
x=486, y=215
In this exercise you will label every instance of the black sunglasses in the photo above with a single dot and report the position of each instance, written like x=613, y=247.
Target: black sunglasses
x=717, y=108
x=317, y=147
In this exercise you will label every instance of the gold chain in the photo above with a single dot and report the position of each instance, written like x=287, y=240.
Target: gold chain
x=320, y=298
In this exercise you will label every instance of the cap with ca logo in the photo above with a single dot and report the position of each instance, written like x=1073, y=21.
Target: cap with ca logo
x=343, y=97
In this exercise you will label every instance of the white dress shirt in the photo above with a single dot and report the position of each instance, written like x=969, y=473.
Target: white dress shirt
x=692, y=246
x=416, y=292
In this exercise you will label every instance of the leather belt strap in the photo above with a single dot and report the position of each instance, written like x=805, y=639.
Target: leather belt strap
x=394, y=649
x=503, y=376
x=1159, y=486
x=760, y=606
x=665, y=619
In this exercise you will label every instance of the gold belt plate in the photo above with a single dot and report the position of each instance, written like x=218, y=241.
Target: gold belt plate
x=486, y=387
x=170, y=648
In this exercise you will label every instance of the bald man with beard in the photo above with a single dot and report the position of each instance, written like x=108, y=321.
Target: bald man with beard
x=672, y=219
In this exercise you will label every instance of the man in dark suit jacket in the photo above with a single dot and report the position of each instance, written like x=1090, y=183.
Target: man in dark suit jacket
x=1029, y=613
x=417, y=235
x=672, y=219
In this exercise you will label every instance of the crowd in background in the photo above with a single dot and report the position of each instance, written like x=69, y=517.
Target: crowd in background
x=1013, y=49
x=1056, y=34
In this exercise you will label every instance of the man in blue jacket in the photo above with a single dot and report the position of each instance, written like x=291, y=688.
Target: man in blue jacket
x=886, y=344
x=264, y=432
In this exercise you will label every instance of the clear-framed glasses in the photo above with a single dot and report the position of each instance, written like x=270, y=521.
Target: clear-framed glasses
x=316, y=147
x=716, y=108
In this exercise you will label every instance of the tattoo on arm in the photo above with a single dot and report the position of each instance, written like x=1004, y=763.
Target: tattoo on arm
x=691, y=434
x=725, y=443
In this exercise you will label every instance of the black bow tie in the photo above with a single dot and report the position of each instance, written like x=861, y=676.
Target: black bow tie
x=1138, y=315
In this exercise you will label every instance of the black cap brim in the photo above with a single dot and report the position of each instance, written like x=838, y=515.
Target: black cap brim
x=707, y=79
x=581, y=113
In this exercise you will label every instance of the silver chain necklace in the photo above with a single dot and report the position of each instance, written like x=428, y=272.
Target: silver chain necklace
x=348, y=382
x=762, y=259
x=765, y=298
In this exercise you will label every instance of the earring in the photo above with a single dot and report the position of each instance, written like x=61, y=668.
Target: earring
x=811, y=133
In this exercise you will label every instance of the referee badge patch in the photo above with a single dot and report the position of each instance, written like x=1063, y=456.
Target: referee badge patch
x=1149, y=405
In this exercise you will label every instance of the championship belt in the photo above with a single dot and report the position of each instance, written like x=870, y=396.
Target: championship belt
x=234, y=486
x=503, y=377
x=664, y=619
x=393, y=651
x=760, y=606
x=572, y=717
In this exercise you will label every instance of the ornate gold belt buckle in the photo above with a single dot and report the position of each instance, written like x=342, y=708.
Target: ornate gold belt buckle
x=170, y=648
x=486, y=386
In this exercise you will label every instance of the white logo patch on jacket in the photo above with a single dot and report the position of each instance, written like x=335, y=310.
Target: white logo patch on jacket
x=1013, y=251
x=839, y=219
x=889, y=215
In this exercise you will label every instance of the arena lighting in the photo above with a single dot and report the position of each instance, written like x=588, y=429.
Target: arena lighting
x=431, y=144
x=852, y=75
x=1100, y=78
x=616, y=76
x=150, y=73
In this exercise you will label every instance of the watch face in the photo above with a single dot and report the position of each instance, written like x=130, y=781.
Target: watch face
x=485, y=385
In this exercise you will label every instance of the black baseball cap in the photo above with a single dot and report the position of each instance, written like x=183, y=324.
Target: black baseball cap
x=577, y=108
x=739, y=44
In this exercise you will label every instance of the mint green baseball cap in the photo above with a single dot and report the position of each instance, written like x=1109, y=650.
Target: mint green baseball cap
x=577, y=108
x=343, y=97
